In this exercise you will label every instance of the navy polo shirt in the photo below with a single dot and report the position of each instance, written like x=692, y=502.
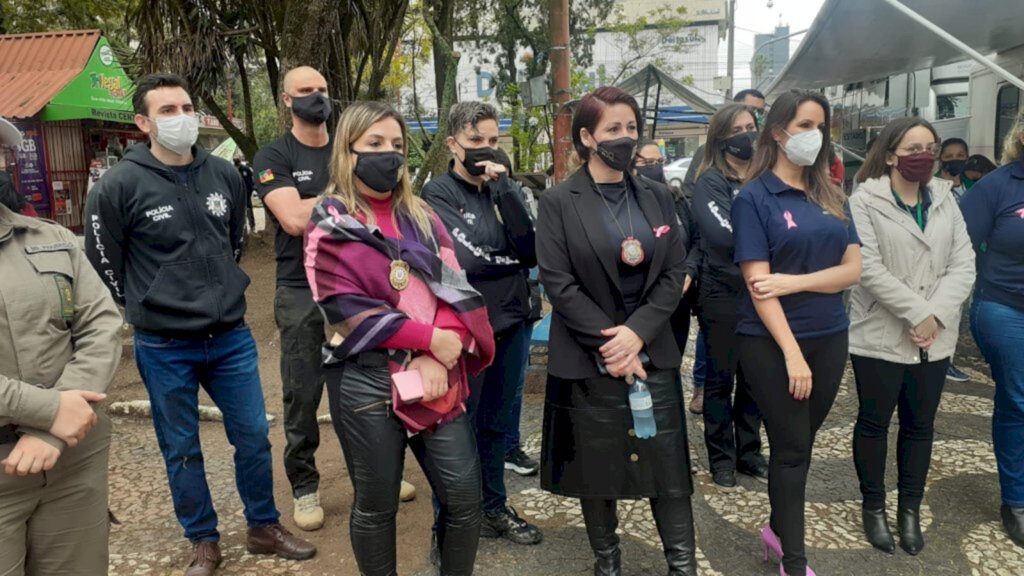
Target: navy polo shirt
x=994, y=212
x=775, y=223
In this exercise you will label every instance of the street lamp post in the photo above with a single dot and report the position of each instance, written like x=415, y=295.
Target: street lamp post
x=731, y=22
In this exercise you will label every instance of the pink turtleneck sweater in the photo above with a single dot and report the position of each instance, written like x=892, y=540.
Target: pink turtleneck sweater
x=413, y=335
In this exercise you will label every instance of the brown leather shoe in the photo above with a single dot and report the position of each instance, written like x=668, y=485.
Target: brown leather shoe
x=275, y=539
x=206, y=559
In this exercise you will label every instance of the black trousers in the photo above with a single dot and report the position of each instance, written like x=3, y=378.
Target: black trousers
x=374, y=441
x=792, y=425
x=883, y=386
x=302, y=380
x=732, y=427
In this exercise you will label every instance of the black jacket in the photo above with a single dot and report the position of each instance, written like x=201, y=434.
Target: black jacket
x=495, y=253
x=167, y=251
x=721, y=281
x=582, y=282
x=690, y=180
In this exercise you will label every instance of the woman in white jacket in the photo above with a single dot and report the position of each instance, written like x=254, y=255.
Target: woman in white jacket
x=904, y=317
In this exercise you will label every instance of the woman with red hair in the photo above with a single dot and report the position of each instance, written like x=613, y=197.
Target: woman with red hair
x=612, y=262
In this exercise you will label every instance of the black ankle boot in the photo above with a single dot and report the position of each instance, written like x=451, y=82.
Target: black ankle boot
x=608, y=562
x=1013, y=522
x=674, y=518
x=909, y=526
x=876, y=528
x=601, y=522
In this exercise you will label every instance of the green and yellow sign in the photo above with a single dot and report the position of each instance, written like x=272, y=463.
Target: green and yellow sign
x=101, y=91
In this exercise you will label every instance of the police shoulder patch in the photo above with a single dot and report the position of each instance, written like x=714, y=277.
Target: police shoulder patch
x=67, y=296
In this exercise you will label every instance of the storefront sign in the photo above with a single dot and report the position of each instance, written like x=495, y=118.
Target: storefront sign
x=101, y=91
x=31, y=163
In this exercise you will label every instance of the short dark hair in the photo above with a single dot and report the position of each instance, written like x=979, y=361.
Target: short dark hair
x=979, y=163
x=953, y=142
x=591, y=109
x=152, y=82
x=742, y=95
x=469, y=113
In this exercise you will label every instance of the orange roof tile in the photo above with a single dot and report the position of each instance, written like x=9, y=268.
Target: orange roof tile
x=35, y=67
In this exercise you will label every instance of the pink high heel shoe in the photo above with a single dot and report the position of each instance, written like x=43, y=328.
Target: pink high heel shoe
x=772, y=544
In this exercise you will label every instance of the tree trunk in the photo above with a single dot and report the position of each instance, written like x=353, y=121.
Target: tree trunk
x=437, y=158
x=383, y=58
x=244, y=142
x=307, y=31
x=243, y=78
x=444, y=13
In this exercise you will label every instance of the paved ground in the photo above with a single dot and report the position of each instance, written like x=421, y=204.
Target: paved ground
x=961, y=506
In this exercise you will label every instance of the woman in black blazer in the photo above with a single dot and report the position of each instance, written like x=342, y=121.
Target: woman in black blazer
x=612, y=262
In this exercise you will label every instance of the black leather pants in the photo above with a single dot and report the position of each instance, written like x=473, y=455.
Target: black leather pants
x=374, y=441
x=674, y=518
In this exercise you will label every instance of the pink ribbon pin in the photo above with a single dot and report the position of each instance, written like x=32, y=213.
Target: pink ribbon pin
x=661, y=231
x=1021, y=213
x=790, y=223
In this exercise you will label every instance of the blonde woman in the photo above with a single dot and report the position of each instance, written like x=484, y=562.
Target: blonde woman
x=994, y=212
x=383, y=272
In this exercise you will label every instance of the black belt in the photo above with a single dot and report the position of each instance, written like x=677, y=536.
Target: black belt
x=370, y=359
x=194, y=335
x=8, y=434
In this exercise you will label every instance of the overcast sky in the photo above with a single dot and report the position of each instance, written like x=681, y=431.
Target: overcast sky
x=754, y=16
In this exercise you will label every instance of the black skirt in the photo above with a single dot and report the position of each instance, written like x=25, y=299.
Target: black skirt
x=590, y=450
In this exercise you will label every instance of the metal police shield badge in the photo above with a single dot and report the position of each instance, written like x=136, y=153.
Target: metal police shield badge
x=399, y=275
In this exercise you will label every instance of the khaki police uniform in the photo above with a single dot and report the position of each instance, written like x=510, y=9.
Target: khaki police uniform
x=59, y=330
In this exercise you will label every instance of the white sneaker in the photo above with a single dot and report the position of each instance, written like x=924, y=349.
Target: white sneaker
x=308, y=514
x=407, y=493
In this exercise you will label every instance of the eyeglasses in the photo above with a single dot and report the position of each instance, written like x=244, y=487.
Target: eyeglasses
x=641, y=161
x=918, y=148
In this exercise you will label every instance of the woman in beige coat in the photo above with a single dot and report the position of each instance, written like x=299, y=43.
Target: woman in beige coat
x=904, y=317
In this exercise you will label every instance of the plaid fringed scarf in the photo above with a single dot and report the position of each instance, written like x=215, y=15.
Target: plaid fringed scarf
x=348, y=264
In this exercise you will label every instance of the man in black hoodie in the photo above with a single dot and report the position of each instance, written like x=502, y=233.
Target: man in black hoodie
x=164, y=230
x=485, y=212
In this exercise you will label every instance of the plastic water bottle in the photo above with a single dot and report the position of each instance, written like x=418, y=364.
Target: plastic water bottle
x=642, y=405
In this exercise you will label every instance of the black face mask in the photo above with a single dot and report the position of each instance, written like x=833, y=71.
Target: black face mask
x=618, y=154
x=474, y=155
x=381, y=171
x=314, y=108
x=741, y=145
x=656, y=172
x=954, y=167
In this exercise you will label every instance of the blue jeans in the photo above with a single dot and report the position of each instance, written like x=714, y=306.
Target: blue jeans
x=226, y=366
x=513, y=437
x=700, y=361
x=495, y=392
x=999, y=332
x=492, y=401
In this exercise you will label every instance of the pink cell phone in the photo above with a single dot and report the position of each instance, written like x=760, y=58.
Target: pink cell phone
x=409, y=385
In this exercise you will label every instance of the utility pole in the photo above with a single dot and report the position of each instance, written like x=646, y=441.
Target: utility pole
x=561, y=89
x=732, y=49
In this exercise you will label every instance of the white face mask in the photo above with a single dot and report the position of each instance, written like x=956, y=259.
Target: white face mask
x=803, y=148
x=177, y=133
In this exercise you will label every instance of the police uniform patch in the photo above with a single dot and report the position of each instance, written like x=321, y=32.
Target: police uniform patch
x=266, y=176
x=217, y=204
x=67, y=296
x=54, y=247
